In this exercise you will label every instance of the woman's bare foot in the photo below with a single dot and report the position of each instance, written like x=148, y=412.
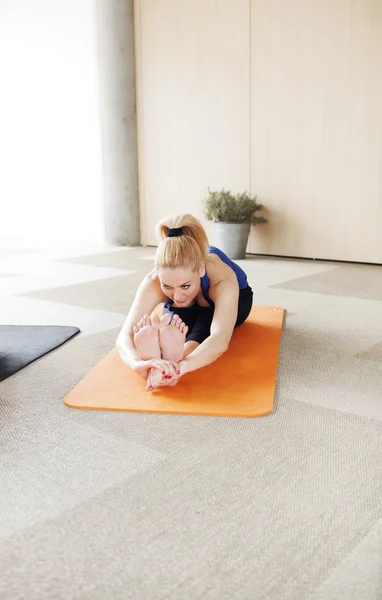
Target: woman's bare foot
x=172, y=337
x=146, y=337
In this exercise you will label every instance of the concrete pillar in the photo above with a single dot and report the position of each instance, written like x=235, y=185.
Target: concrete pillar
x=116, y=80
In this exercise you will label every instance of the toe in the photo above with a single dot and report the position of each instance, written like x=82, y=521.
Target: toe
x=165, y=320
x=146, y=320
x=155, y=321
x=175, y=320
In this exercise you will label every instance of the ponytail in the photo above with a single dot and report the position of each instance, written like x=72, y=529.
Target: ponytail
x=184, y=243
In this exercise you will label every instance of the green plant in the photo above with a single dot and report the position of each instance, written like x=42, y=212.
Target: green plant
x=232, y=208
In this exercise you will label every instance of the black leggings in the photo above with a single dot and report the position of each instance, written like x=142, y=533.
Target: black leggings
x=199, y=318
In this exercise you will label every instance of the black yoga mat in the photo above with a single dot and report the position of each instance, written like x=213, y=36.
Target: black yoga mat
x=20, y=345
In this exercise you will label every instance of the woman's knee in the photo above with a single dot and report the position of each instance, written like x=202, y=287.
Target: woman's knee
x=244, y=306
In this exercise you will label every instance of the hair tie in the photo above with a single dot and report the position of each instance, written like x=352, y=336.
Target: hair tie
x=175, y=232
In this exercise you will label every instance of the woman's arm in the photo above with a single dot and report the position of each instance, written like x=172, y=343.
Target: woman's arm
x=225, y=295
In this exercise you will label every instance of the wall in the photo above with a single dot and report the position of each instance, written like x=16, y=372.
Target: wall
x=193, y=103
x=316, y=127
x=50, y=153
x=283, y=99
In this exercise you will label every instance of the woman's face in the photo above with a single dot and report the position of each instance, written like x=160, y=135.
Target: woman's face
x=181, y=285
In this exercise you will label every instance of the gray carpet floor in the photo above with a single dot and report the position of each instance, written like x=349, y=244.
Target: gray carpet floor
x=103, y=505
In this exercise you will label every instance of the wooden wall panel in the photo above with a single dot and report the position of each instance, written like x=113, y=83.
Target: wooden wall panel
x=316, y=127
x=193, y=71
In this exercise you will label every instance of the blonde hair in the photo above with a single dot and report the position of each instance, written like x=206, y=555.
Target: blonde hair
x=188, y=250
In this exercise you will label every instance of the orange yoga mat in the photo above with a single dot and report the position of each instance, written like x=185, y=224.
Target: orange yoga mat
x=241, y=383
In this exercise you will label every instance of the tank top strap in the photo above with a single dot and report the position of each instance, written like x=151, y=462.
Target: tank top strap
x=205, y=289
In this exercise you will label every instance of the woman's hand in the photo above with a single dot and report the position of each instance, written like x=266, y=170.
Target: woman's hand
x=156, y=379
x=142, y=367
x=160, y=378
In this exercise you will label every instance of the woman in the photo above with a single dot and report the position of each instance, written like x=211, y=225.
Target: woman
x=205, y=297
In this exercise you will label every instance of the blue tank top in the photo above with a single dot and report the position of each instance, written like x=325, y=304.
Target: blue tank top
x=240, y=274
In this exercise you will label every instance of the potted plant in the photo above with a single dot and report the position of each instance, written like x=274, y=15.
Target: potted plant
x=232, y=216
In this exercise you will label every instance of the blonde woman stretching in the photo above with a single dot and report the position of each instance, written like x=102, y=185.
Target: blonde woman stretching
x=205, y=297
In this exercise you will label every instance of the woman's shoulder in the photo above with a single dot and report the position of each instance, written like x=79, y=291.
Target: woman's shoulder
x=150, y=285
x=153, y=276
x=151, y=279
x=218, y=270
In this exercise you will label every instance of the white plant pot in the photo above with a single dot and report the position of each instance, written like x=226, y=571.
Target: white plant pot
x=231, y=238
